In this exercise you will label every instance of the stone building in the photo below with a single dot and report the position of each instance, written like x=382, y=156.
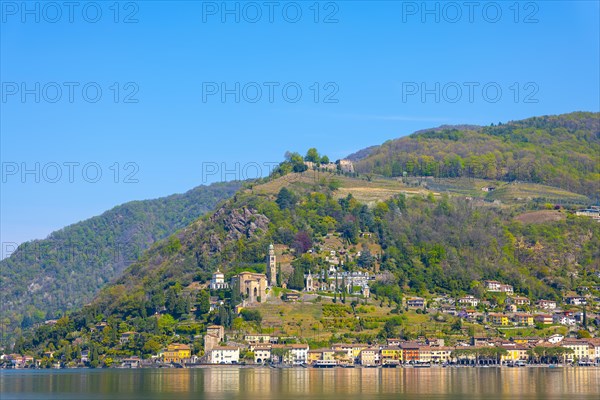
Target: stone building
x=272, y=266
x=252, y=286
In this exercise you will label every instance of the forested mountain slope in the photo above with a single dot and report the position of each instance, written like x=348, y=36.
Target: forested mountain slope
x=43, y=278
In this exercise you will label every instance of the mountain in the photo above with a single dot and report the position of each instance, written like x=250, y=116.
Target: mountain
x=418, y=240
x=43, y=278
x=561, y=151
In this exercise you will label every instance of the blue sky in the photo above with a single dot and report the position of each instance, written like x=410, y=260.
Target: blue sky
x=382, y=69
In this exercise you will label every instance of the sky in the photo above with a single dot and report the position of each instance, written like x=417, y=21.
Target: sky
x=107, y=102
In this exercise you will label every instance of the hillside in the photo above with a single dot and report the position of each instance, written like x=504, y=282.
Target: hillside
x=45, y=278
x=561, y=151
x=420, y=242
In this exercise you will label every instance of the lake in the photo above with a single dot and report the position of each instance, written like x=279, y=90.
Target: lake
x=298, y=383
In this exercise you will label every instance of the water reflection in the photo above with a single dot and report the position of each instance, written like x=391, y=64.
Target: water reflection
x=289, y=384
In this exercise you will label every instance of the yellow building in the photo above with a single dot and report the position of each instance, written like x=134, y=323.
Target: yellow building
x=314, y=356
x=391, y=355
x=524, y=319
x=440, y=354
x=369, y=357
x=582, y=349
x=498, y=319
x=176, y=353
x=515, y=353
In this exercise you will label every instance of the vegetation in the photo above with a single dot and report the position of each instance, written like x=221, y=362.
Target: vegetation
x=421, y=243
x=43, y=279
x=559, y=151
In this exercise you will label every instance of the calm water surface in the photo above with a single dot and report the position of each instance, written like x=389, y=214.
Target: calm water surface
x=309, y=384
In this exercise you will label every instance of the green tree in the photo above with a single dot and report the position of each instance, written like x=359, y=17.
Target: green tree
x=312, y=155
x=296, y=281
x=202, y=303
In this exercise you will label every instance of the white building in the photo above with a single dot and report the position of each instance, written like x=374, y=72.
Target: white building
x=262, y=353
x=546, y=304
x=217, y=281
x=556, y=338
x=224, y=355
x=298, y=354
x=468, y=301
x=563, y=319
x=576, y=300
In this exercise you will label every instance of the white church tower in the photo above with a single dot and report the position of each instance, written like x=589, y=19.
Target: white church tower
x=271, y=267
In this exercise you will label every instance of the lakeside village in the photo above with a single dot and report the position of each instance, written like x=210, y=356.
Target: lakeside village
x=225, y=347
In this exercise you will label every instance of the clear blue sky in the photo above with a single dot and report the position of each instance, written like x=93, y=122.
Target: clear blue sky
x=372, y=57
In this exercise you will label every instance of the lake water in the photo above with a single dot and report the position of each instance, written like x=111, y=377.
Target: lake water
x=307, y=384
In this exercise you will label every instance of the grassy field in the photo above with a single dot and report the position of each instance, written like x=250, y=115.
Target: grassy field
x=372, y=189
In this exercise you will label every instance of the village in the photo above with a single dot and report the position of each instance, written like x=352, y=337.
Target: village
x=221, y=346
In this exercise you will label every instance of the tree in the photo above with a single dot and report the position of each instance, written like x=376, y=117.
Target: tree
x=286, y=199
x=202, y=303
x=583, y=334
x=324, y=159
x=296, y=281
x=251, y=315
x=302, y=242
x=312, y=155
x=166, y=324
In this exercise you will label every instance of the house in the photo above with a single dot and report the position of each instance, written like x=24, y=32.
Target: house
x=391, y=355
x=126, y=336
x=518, y=301
x=291, y=297
x=582, y=349
x=523, y=319
x=495, y=286
x=515, y=353
x=415, y=302
x=492, y=286
x=435, y=342
x=260, y=338
x=298, y=354
x=131, y=362
x=425, y=354
x=369, y=357
x=314, y=356
x=546, y=304
x=441, y=354
x=592, y=212
x=469, y=300
x=564, y=319
x=224, y=355
x=533, y=340
x=176, y=353
x=321, y=355
x=498, y=319
x=506, y=289
x=262, y=353
x=410, y=352
x=576, y=300
x=544, y=319
x=479, y=341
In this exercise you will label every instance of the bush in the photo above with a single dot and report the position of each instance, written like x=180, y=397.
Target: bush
x=251, y=315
